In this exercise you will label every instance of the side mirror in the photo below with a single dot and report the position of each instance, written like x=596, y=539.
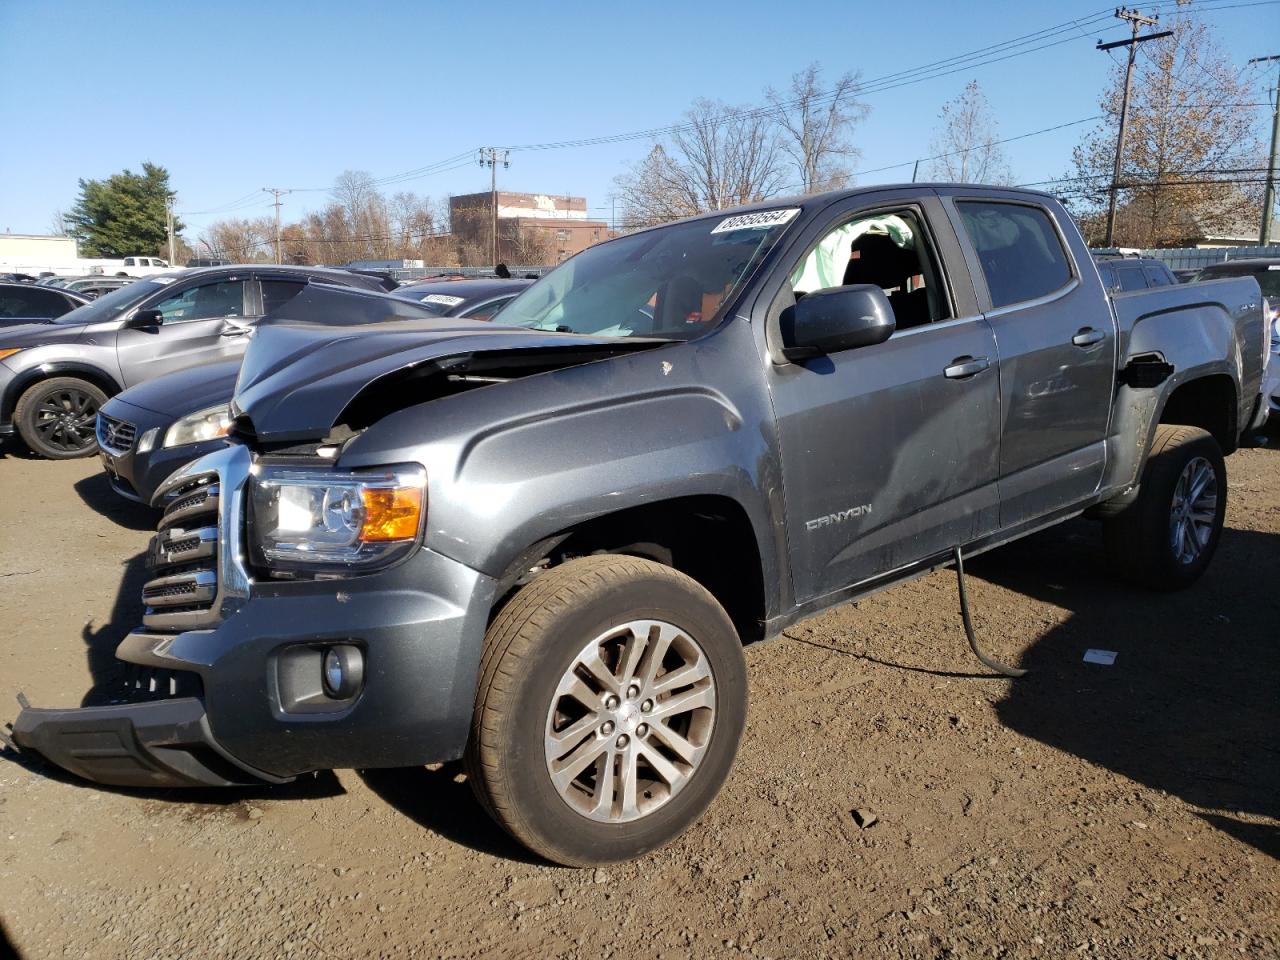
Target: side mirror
x=841, y=318
x=145, y=319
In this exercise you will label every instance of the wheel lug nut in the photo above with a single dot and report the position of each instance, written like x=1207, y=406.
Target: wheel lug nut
x=623, y=741
x=607, y=727
x=646, y=706
x=611, y=702
x=642, y=730
x=632, y=692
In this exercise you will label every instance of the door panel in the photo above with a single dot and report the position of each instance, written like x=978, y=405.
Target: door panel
x=885, y=460
x=1056, y=338
x=204, y=324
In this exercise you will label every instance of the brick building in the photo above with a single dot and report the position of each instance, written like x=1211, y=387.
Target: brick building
x=558, y=224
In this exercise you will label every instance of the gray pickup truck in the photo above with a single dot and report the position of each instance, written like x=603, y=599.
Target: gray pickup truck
x=540, y=544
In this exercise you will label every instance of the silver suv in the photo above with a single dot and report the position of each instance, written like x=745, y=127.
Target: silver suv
x=55, y=376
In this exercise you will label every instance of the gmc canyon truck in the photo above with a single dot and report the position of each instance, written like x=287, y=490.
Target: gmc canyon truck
x=540, y=544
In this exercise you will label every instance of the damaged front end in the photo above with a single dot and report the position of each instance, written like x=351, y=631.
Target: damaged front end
x=161, y=736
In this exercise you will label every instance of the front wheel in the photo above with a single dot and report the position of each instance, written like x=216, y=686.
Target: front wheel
x=611, y=702
x=1167, y=536
x=57, y=418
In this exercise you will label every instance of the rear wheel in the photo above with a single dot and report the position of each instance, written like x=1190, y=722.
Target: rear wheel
x=57, y=418
x=611, y=702
x=1166, y=538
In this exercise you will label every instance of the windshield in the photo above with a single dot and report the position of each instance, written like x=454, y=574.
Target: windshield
x=112, y=304
x=670, y=282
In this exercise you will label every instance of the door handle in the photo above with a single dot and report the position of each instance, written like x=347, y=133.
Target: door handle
x=962, y=367
x=236, y=332
x=1087, y=337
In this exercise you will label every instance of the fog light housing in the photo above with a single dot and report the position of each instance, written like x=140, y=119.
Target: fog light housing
x=342, y=671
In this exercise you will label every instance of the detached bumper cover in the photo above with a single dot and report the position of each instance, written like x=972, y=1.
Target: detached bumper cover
x=165, y=743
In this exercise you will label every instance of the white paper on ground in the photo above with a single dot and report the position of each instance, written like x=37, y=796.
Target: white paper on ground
x=1104, y=657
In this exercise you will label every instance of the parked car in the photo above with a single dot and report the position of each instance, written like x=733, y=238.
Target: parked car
x=1266, y=271
x=24, y=303
x=55, y=376
x=149, y=431
x=208, y=262
x=92, y=287
x=478, y=299
x=17, y=278
x=540, y=544
x=140, y=267
x=1120, y=275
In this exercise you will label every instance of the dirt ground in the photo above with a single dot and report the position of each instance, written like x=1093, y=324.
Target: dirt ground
x=1116, y=811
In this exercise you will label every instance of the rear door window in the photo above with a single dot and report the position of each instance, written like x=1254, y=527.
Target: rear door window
x=1157, y=277
x=33, y=303
x=1019, y=249
x=276, y=293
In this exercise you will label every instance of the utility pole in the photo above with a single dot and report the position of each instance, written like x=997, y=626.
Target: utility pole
x=277, y=193
x=1273, y=164
x=490, y=157
x=168, y=225
x=1136, y=21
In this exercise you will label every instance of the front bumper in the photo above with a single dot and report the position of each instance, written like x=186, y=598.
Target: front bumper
x=165, y=743
x=256, y=651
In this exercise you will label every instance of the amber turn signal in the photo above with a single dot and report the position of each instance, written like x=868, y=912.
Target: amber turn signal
x=391, y=514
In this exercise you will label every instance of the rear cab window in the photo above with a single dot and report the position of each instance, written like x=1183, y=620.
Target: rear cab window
x=1019, y=250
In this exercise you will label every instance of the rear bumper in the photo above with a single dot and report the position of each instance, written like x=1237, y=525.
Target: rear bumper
x=165, y=743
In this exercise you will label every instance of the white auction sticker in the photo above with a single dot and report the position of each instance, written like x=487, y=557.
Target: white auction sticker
x=756, y=221
x=1104, y=657
x=442, y=298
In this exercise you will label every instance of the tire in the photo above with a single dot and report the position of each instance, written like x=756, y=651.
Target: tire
x=56, y=418
x=1143, y=542
x=603, y=603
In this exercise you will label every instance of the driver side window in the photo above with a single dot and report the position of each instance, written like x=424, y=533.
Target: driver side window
x=887, y=249
x=211, y=301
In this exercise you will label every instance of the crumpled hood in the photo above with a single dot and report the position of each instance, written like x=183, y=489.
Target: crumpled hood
x=186, y=391
x=297, y=378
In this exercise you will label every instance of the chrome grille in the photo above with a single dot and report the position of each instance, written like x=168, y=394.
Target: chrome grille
x=183, y=558
x=115, y=436
x=198, y=576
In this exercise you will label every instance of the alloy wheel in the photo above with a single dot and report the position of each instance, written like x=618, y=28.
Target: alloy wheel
x=630, y=721
x=1195, y=506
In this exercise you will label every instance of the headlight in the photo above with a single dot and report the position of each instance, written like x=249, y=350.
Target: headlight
x=324, y=520
x=207, y=424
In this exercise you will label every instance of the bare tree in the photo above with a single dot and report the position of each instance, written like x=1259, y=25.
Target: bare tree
x=58, y=225
x=1191, y=148
x=966, y=146
x=815, y=126
x=242, y=241
x=719, y=157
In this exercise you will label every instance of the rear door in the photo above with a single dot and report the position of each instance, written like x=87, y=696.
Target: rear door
x=1055, y=334
x=889, y=452
x=201, y=323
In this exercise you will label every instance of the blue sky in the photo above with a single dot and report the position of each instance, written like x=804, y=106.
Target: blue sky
x=233, y=96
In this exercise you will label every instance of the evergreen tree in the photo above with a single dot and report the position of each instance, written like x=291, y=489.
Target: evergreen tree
x=122, y=215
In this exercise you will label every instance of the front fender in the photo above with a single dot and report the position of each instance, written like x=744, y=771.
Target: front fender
x=513, y=464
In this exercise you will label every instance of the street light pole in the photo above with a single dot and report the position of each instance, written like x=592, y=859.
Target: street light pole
x=1136, y=20
x=1273, y=163
x=490, y=157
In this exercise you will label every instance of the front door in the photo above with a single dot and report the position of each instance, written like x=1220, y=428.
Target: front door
x=889, y=452
x=1056, y=339
x=200, y=324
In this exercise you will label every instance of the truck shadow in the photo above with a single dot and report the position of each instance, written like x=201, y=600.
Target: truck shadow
x=96, y=492
x=101, y=640
x=438, y=798
x=1190, y=705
